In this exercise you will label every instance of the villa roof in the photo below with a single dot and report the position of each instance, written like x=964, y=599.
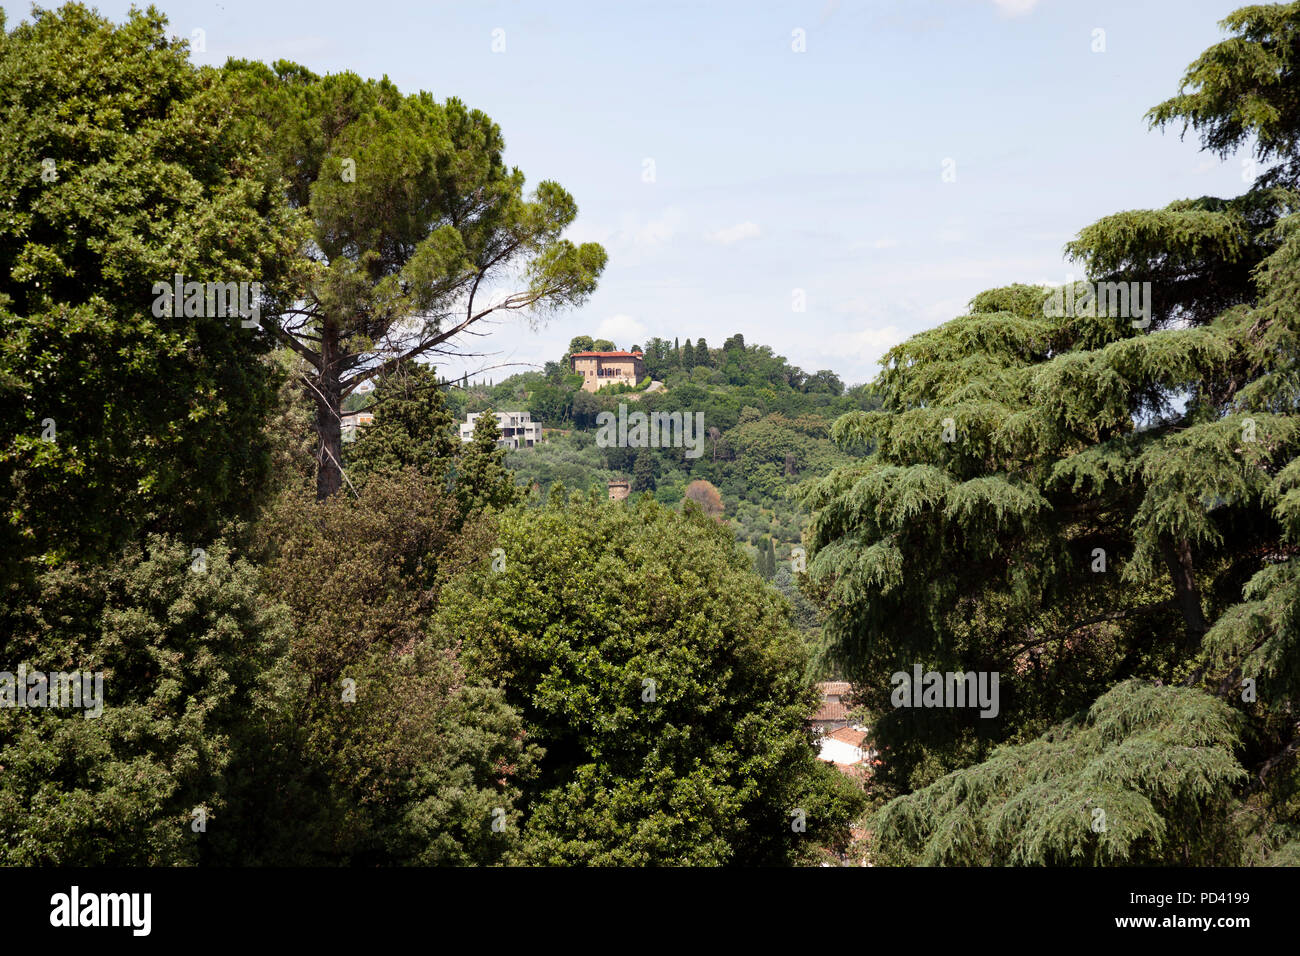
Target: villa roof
x=606, y=355
x=831, y=710
x=847, y=735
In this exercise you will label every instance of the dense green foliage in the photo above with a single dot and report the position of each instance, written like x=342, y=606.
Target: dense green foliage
x=1145, y=777
x=285, y=677
x=393, y=652
x=412, y=427
x=411, y=765
x=663, y=681
x=188, y=650
x=1090, y=503
x=122, y=165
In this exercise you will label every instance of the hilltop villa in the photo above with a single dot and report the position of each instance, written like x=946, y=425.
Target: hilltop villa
x=599, y=369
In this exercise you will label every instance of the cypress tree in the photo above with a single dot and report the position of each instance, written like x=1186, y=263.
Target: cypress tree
x=643, y=472
x=482, y=479
x=412, y=427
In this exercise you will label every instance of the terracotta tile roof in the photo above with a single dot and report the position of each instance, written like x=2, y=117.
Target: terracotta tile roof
x=848, y=735
x=831, y=710
x=607, y=355
x=840, y=687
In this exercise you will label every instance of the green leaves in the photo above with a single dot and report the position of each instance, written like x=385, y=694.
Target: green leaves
x=187, y=660
x=663, y=680
x=418, y=762
x=482, y=480
x=1143, y=777
x=411, y=429
x=150, y=173
x=1086, y=505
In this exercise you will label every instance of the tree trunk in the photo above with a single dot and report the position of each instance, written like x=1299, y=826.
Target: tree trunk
x=1178, y=556
x=329, y=422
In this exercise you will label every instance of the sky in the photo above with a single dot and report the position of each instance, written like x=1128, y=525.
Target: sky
x=878, y=163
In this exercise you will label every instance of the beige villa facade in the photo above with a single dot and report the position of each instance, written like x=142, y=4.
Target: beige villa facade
x=599, y=369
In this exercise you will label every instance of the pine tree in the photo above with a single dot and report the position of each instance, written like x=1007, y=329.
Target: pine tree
x=1078, y=796
x=688, y=356
x=702, y=356
x=375, y=262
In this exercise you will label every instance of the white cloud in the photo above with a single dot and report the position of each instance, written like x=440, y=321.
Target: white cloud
x=856, y=354
x=622, y=329
x=632, y=232
x=1015, y=8
x=742, y=230
x=872, y=343
x=942, y=310
x=635, y=239
x=586, y=231
x=658, y=231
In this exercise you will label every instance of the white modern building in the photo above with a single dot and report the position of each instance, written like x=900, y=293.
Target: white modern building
x=350, y=421
x=518, y=430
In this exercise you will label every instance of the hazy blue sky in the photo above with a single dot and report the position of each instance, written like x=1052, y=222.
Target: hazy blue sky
x=778, y=170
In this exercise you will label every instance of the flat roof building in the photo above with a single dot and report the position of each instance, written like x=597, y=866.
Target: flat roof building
x=517, y=429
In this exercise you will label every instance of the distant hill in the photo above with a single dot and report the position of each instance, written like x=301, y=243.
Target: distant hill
x=766, y=425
